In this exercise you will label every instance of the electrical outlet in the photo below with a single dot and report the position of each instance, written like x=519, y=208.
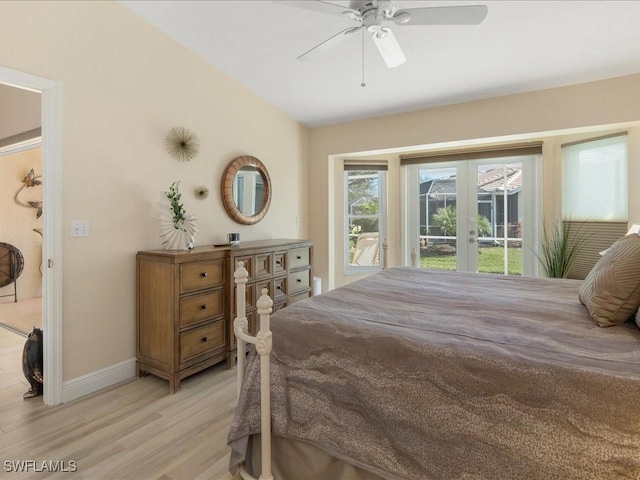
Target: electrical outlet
x=80, y=228
x=297, y=221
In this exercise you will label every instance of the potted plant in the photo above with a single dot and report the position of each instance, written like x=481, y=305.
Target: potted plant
x=559, y=247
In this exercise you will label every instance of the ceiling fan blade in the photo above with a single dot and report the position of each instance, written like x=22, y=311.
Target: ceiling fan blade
x=320, y=6
x=328, y=44
x=460, y=15
x=389, y=47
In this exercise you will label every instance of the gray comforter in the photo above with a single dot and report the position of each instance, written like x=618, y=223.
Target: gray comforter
x=420, y=374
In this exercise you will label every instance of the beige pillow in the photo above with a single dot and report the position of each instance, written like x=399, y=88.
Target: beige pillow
x=611, y=291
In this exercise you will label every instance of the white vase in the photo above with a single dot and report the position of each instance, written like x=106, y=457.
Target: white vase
x=176, y=237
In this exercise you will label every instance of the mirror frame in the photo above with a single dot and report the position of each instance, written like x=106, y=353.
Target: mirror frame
x=227, y=189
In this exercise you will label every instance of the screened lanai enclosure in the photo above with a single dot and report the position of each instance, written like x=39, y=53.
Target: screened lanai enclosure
x=493, y=221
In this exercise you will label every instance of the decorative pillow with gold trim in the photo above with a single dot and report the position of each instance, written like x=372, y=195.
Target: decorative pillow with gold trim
x=611, y=291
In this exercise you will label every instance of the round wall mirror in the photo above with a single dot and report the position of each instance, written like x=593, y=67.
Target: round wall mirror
x=246, y=190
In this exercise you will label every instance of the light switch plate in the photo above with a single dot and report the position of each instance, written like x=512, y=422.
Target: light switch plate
x=80, y=228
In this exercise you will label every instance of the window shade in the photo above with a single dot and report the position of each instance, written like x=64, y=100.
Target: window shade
x=516, y=149
x=599, y=237
x=594, y=179
x=358, y=165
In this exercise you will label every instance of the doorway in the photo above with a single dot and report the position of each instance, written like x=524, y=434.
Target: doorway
x=473, y=215
x=52, y=219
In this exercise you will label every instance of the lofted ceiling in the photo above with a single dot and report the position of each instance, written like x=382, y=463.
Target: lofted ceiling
x=520, y=46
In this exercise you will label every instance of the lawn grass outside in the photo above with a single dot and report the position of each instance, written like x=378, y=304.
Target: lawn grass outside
x=490, y=260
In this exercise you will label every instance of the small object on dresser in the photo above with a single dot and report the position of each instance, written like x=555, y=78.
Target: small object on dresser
x=32, y=363
x=234, y=238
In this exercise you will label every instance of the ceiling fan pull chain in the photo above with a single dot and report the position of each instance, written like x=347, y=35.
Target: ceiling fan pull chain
x=363, y=84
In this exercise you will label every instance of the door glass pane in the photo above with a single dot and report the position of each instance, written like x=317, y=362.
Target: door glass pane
x=363, y=217
x=499, y=222
x=437, y=231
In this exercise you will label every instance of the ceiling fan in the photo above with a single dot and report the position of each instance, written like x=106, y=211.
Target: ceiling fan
x=372, y=14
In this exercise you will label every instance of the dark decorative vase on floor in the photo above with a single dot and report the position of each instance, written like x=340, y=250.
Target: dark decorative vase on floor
x=32, y=363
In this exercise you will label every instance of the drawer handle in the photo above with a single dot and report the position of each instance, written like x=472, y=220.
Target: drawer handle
x=203, y=307
x=278, y=287
x=299, y=280
x=204, y=274
x=278, y=262
x=203, y=339
x=299, y=257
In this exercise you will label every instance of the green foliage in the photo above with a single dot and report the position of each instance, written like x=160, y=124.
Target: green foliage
x=559, y=248
x=446, y=218
x=484, y=226
x=178, y=209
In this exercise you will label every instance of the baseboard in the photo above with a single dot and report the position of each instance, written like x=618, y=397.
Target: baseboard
x=92, y=382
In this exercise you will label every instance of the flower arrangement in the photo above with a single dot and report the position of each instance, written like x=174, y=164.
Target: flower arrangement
x=177, y=226
x=177, y=208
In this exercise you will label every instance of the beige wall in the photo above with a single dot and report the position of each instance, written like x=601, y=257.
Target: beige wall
x=124, y=85
x=554, y=116
x=17, y=222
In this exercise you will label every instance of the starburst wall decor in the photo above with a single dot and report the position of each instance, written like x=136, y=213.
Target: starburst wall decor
x=182, y=144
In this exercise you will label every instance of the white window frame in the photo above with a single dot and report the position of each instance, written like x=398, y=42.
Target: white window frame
x=381, y=216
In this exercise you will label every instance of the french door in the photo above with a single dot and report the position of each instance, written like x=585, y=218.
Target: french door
x=473, y=215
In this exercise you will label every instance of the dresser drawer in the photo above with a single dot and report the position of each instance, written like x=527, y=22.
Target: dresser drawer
x=200, y=307
x=299, y=296
x=279, y=262
x=280, y=289
x=201, y=340
x=201, y=275
x=264, y=265
x=249, y=302
x=298, y=281
x=299, y=257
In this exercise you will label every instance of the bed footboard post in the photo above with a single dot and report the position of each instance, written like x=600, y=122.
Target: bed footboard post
x=414, y=257
x=240, y=324
x=385, y=247
x=263, y=347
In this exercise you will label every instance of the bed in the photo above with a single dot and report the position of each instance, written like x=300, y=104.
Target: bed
x=422, y=374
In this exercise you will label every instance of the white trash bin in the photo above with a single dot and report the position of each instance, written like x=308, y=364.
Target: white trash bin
x=317, y=286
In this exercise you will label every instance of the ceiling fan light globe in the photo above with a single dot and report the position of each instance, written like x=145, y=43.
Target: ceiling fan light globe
x=401, y=18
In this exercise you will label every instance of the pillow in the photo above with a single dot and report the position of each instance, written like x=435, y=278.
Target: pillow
x=611, y=291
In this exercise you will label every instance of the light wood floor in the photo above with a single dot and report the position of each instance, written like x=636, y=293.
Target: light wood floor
x=135, y=430
x=22, y=315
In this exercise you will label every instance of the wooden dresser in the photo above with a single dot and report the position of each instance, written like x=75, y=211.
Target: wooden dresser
x=185, y=310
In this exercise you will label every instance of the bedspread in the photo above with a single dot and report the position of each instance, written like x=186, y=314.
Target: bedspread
x=424, y=374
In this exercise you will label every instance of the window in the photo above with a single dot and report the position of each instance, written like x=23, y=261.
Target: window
x=594, y=180
x=594, y=196
x=365, y=216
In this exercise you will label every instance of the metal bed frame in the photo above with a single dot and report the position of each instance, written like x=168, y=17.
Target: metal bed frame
x=263, y=342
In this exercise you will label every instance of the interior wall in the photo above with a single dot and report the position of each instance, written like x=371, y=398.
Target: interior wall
x=124, y=86
x=17, y=223
x=590, y=108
